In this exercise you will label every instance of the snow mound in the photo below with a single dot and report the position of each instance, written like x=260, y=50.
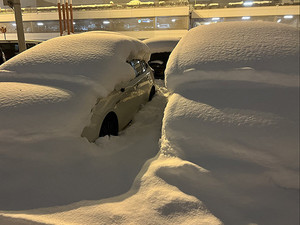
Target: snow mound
x=52, y=87
x=235, y=114
x=90, y=54
x=15, y=94
x=162, y=44
x=263, y=46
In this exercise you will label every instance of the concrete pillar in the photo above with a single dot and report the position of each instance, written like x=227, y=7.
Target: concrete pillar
x=19, y=23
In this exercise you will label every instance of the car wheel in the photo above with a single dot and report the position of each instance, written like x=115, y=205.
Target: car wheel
x=109, y=125
x=152, y=93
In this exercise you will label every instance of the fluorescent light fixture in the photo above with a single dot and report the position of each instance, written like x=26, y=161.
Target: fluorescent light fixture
x=106, y=22
x=74, y=23
x=248, y=3
x=146, y=20
x=215, y=18
x=278, y=21
x=40, y=24
x=173, y=20
x=288, y=17
x=246, y=18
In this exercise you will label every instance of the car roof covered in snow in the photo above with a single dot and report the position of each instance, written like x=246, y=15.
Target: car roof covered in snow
x=91, y=54
x=162, y=44
x=224, y=46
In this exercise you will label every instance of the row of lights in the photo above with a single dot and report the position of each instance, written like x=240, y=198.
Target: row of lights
x=215, y=19
x=42, y=24
x=248, y=17
x=174, y=20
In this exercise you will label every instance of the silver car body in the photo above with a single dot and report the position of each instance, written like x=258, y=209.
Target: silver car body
x=124, y=102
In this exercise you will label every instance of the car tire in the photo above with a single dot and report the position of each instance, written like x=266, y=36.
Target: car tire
x=152, y=93
x=110, y=125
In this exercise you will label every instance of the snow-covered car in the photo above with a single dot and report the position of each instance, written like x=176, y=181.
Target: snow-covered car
x=234, y=115
x=91, y=83
x=161, y=49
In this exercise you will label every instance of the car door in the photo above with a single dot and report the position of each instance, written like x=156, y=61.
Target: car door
x=128, y=103
x=134, y=92
x=143, y=81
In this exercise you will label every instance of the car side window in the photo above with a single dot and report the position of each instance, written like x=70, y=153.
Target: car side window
x=145, y=66
x=139, y=66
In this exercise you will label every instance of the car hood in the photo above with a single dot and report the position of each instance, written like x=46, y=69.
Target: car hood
x=29, y=109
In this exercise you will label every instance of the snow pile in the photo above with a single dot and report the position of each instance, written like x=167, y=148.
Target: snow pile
x=238, y=127
x=162, y=44
x=77, y=171
x=261, y=46
x=97, y=56
x=17, y=94
x=51, y=88
x=228, y=155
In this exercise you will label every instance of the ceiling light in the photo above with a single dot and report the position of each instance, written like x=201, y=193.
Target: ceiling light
x=248, y=4
x=246, y=18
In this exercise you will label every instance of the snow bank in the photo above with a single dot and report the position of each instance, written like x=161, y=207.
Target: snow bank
x=162, y=44
x=235, y=114
x=64, y=175
x=228, y=155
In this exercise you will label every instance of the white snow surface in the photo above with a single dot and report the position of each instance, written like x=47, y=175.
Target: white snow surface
x=98, y=56
x=161, y=44
x=224, y=150
x=66, y=180
x=263, y=46
x=235, y=114
x=50, y=89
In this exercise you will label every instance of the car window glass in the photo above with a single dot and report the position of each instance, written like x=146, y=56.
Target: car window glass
x=30, y=45
x=137, y=66
x=145, y=66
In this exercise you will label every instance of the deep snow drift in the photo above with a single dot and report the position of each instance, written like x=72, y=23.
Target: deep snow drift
x=50, y=89
x=237, y=120
x=98, y=171
x=228, y=153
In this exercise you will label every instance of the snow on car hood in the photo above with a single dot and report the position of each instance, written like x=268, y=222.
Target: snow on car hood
x=30, y=110
x=20, y=94
x=259, y=46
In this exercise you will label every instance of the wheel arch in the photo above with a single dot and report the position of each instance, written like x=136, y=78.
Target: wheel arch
x=110, y=117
